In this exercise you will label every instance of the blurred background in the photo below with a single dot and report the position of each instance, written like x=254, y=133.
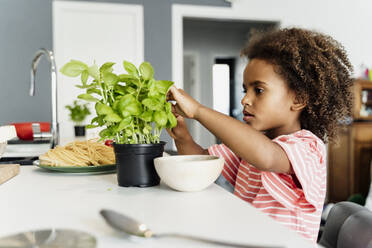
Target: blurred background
x=195, y=43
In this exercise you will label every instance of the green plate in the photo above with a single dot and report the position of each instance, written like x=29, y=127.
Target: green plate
x=78, y=169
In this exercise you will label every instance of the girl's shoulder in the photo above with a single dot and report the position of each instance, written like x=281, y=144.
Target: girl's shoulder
x=302, y=135
x=305, y=139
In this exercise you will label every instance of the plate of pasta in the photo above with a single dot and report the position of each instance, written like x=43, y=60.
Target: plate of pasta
x=88, y=156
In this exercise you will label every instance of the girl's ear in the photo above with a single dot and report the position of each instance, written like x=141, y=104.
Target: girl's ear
x=298, y=104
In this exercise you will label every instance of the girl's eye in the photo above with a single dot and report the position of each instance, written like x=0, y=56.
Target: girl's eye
x=258, y=90
x=244, y=91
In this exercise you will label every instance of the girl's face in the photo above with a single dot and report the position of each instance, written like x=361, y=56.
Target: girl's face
x=268, y=102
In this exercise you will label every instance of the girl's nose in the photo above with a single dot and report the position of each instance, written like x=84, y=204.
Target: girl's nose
x=246, y=100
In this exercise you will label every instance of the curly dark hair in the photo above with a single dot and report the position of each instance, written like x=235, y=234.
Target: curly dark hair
x=316, y=68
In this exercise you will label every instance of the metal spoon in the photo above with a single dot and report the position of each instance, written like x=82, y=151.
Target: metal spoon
x=132, y=227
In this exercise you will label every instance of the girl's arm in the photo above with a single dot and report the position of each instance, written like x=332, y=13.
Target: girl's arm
x=248, y=143
x=189, y=147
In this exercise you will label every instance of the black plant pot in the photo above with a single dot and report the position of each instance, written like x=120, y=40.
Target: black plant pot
x=135, y=164
x=79, y=131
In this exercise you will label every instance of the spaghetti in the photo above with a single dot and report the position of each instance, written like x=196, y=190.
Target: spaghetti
x=79, y=153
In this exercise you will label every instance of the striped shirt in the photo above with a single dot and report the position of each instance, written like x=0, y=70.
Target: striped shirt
x=298, y=207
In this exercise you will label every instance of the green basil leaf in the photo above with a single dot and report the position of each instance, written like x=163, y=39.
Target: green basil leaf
x=110, y=78
x=168, y=107
x=172, y=120
x=152, y=88
x=146, y=116
x=73, y=68
x=126, y=78
x=125, y=113
x=134, y=108
x=93, y=91
x=130, y=90
x=162, y=99
x=147, y=72
x=115, y=105
x=160, y=118
x=98, y=120
x=103, y=109
x=152, y=103
x=94, y=120
x=128, y=132
x=88, y=98
x=84, y=77
x=131, y=69
x=125, y=123
x=91, y=126
x=163, y=86
x=120, y=89
x=112, y=117
x=94, y=71
x=106, y=67
x=105, y=133
x=125, y=100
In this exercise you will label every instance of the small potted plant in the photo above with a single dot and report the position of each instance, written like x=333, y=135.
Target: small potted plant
x=78, y=113
x=133, y=110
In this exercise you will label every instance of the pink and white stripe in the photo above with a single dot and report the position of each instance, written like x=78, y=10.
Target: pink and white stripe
x=276, y=194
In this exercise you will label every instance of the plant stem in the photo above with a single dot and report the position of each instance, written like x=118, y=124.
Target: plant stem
x=112, y=96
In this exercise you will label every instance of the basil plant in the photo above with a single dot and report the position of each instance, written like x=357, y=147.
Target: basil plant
x=131, y=106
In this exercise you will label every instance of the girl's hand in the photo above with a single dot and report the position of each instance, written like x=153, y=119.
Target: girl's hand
x=180, y=132
x=186, y=106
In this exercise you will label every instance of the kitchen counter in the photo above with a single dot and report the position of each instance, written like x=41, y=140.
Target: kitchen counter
x=39, y=199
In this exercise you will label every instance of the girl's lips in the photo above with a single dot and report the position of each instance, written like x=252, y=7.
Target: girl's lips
x=247, y=116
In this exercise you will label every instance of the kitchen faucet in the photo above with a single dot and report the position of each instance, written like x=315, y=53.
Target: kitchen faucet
x=54, y=133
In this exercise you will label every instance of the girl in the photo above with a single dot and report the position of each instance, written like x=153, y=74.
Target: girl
x=297, y=87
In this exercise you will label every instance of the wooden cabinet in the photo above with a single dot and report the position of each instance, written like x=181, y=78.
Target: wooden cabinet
x=349, y=162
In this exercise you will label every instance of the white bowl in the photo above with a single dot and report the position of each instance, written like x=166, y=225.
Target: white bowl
x=189, y=172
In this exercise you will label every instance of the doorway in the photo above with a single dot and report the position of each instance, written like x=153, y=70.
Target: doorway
x=209, y=44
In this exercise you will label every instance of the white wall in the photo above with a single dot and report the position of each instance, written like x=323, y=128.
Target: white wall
x=347, y=21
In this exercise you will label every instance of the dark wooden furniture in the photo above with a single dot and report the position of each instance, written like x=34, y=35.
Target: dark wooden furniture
x=349, y=162
x=349, y=169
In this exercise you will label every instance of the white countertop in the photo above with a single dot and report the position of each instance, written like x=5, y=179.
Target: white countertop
x=39, y=199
